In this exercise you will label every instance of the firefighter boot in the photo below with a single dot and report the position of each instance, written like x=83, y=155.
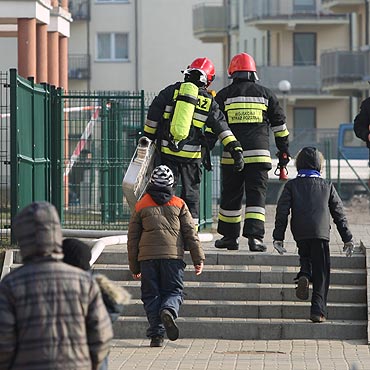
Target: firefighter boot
x=228, y=243
x=256, y=245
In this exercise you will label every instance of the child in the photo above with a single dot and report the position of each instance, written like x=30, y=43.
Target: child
x=312, y=200
x=161, y=226
x=78, y=254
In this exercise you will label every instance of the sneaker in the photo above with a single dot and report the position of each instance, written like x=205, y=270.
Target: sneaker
x=302, y=288
x=169, y=324
x=228, y=243
x=256, y=245
x=317, y=318
x=156, y=342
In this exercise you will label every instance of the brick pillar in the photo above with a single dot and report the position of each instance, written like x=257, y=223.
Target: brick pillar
x=27, y=47
x=63, y=62
x=42, y=52
x=65, y=4
x=53, y=58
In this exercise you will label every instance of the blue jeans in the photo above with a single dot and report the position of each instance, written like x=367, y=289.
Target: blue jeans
x=162, y=285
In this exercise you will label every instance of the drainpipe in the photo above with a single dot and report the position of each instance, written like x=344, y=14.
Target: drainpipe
x=367, y=29
x=136, y=47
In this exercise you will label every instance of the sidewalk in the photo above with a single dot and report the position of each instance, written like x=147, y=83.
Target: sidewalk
x=199, y=354
x=211, y=354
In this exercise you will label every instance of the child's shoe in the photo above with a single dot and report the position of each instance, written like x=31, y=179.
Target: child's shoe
x=317, y=318
x=169, y=324
x=156, y=342
x=302, y=288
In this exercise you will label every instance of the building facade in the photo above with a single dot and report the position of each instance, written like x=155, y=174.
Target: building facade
x=133, y=44
x=319, y=46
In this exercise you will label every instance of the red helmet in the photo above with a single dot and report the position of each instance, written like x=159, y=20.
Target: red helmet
x=242, y=62
x=205, y=66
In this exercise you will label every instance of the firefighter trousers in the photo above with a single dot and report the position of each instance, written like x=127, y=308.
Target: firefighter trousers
x=190, y=175
x=251, y=183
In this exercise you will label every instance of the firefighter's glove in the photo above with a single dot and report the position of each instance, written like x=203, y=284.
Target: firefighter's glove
x=238, y=160
x=284, y=158
x=348, y=248
x=279, y=246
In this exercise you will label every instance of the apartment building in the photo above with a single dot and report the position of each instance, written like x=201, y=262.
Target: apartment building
x=319, y=46
x=134, y=44
x=34, y=39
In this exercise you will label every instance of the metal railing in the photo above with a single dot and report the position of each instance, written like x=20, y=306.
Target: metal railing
x=79, y=66
x=80, y=9
x=341, y=66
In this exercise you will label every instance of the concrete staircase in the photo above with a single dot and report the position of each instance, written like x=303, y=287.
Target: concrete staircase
x=244, y=295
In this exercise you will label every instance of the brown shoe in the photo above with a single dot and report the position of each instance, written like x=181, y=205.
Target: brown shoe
x=317, y=318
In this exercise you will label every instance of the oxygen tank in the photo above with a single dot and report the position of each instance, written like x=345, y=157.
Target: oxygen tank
x=186, y=101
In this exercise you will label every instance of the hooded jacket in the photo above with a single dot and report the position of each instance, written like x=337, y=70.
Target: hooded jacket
x=52, y=314
x=312, y=202
x=160, y=226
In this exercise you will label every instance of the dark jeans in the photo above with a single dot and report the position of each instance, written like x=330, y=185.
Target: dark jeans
x=314, y=258
x=161, y=288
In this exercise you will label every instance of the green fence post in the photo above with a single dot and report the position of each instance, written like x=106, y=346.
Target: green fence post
x=208, y=216
x=105, y=162
x=57, y=150
x=13, y=148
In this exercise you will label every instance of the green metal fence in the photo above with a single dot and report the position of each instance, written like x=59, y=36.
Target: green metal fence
x=102, y=130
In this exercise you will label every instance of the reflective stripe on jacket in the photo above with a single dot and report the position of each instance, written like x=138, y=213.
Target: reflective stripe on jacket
x=251, y=110
x=207, y=114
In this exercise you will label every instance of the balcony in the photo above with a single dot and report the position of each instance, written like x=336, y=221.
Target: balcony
x=80, y=10
x=79, y=67
x=345, y=70
x=265, y=14
x=343, y=6
x=210, y=22
x=303, y=79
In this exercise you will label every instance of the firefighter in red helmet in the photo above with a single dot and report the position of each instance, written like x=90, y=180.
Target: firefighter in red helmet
x=177, y=119
x=251, y=110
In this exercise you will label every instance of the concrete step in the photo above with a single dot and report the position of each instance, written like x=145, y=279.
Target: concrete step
x=255, y=292
x=257, y=309
x=248, y=329
x=114, y=256
x=239, y=274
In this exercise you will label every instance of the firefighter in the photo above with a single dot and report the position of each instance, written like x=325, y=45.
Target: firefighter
x=250, y=110
x=361, y=124
x=177, y=119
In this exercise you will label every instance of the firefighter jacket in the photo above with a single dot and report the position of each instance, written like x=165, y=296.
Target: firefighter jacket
x=251, y=110
x=361, y=125
x=207, y=113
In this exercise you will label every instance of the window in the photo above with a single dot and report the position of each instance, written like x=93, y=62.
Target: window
x=112, y=46
x=304, y=6
x=112, y=1
x=304, y=121
x=304, y=49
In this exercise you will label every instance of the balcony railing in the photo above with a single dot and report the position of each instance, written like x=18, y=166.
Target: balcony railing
x=80, y=9
x=209, y=22
x=341, y=66
x=79, y=67
x=285, y=9
x=303, y=79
